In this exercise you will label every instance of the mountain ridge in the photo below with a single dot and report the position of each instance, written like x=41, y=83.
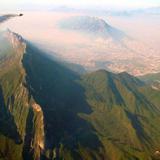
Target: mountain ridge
x=60, y=114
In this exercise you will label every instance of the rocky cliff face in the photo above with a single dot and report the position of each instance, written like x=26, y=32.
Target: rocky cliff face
x=22, y=119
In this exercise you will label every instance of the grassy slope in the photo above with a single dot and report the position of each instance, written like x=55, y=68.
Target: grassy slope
x=125, y=119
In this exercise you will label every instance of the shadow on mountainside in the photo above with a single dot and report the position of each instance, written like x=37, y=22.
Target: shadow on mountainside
x=56, y=89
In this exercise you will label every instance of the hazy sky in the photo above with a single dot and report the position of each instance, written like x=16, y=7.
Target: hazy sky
x=15, y=4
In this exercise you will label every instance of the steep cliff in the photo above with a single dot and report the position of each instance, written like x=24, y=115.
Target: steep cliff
x=20, y=117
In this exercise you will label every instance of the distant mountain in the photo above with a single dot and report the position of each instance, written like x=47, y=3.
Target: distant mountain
x=91, y=25
x=107, y=47
x=48, y=111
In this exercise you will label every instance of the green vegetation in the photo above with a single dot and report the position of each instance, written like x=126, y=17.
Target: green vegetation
x=58, y=114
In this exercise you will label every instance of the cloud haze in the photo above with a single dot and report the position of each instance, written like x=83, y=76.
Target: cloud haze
x=20, y=4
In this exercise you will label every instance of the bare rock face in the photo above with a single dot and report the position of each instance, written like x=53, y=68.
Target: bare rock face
x=38, y=141
x=156, y=155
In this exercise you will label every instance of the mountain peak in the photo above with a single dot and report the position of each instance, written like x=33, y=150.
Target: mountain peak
x=12, y=47
x=13, y=38
x=91, y=25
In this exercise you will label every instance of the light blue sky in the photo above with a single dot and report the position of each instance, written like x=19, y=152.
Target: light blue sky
x=15, y=4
